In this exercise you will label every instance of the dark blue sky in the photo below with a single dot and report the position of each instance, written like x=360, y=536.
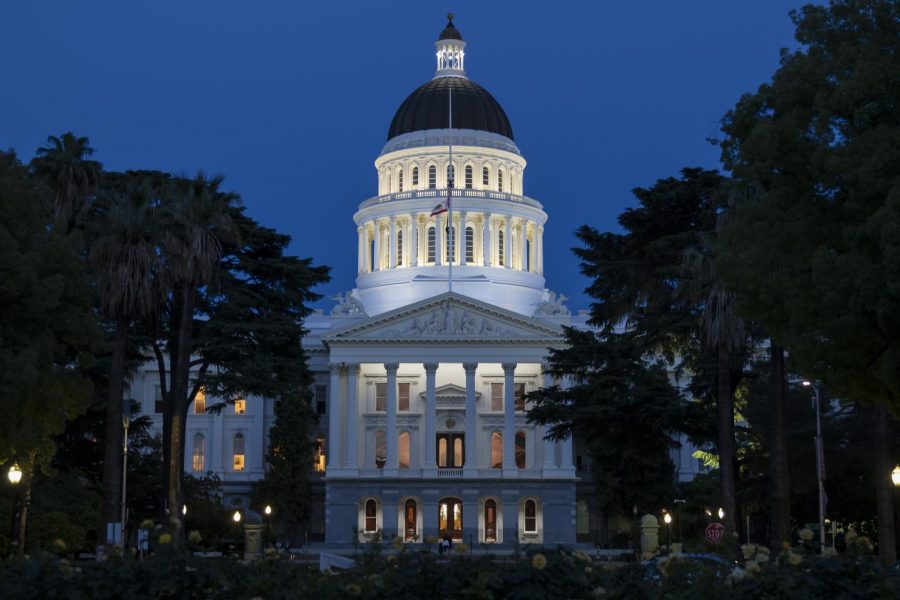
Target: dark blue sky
x=292, y=101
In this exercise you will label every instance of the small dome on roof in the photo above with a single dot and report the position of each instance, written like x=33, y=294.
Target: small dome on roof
x=450, y=32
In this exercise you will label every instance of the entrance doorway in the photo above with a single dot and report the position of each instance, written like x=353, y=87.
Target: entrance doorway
x=450, y=519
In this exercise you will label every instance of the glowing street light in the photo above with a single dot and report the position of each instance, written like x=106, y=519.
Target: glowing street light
x=14, y=474
x=667, y=519
x=236, y=517
x=721, y=513
x=268, y=509
x=184, y=509
x=895, y=476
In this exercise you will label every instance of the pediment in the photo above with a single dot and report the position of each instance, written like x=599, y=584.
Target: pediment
x=449, y=318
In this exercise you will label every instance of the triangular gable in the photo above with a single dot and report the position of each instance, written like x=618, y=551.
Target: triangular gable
x=445, y=318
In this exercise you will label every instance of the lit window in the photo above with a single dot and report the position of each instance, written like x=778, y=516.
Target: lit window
x=490, y=521
x=458, y=451
x=403, y=450
x=238, y=455
x=415, y=176
x=400, y=180
x=403, y=396
x=442, y=451
x=410, y=523
x=431, y=243
x=432, y=177
x=380, y=449
x=497, y=397
x=371, y=516
x=319, y=456
x=500, y=247
x=530, y=516
x=496, y=450
x=399, y=247
x=199, y=454
x=450, y=450
x=200, y=402
x=520, y=449
x=520, y=397
x=380, y=396
x=500, y=181
x=485, y=177
x=470, y=245
x=240, y=406
x=468, y=177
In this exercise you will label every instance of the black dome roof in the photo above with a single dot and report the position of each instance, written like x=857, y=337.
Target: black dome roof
x=473, y=108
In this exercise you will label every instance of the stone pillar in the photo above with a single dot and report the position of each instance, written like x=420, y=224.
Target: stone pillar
x=376, y=263
x=217, y=443
x=352, y=416
x=510, y=508
x=334, y=417
x=486, y=249
x=509, y=423
x=430, y=516
x=470, y=516
x=439, y=239
x=566, y=459
x=360, y=255
x=649, y=536
x=392, y=253
x=391, y=464
x=430, y=461
x=413, y=240
x=471, y=458
x=507, y=242
x=253, y=545
x=461, y=244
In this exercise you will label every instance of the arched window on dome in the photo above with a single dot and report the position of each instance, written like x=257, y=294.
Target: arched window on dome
x=485, y=177
x=400, y=180
x=432, y=234
x=432, y=177
x=399, y=247
x=451, y=176
x=500, y=242
x=500, y=180
x=415, y=177
x=468, y=177
x=470, y=245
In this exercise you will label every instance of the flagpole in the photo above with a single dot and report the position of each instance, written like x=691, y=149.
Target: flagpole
x=451, y=232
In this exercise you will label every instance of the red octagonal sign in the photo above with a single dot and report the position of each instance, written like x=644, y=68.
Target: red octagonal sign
x=715, y=533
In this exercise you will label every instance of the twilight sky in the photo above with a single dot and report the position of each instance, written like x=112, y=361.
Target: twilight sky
x=292, y=101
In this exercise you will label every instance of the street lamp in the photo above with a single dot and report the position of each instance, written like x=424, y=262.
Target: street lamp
x=268, y=511
x=721, y=513
x=895, y=476
x=667, y=519
x=184, y=509
x=820, y=462
x=236, y=517
x=678, y=502
x=15, y=474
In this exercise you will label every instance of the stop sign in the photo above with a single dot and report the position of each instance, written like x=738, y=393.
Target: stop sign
x=715, y=533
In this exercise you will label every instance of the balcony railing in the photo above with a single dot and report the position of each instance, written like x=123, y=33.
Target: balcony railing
x=458, y=193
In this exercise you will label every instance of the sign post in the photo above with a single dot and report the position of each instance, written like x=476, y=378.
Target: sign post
x=715, y=533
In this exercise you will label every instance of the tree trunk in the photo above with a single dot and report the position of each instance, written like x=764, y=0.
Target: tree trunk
x=177, y=411
x=780, y=500
x=884, y=488
x=23, y=516
x=112, y=457
x=726, y=442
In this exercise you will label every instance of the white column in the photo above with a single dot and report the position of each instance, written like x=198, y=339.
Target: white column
x=430, y=418
x=507, y=242
x=367, y=250
x=523, y=231
x=532, y=250
x=334, y=417
x=486, y=250
x=540, y=250
x=439, y=240
x=471, y=462
x=478, y=243
x=549, y=445
x=462, y=237
x=414, y=240
x=360, y=258
x=392, y=254
x=509, y=423
x=352, y=416
x=391, y=464
x=377, y=261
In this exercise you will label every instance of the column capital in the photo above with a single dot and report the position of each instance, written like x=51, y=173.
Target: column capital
x=335, y=367
x=430, y=367
x=509, y=367
x=470, y=367
x=391, y=367
x=354, y=368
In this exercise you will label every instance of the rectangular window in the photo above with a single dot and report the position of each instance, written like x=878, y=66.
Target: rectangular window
x=469, y=177
x=200, y=402
x=380, y=397
x=431, y=244
x=158, y=404
x=432, y=177
x=321, y=394
x=403, y=396
x=497, y=397
x=319, y=456
x=485, y=177
x=399, y=247
x=520, y=397
x=240, y=406
x=450, y=450
x=470, y=245
x=530, y=516
x=238, y=455
x=198, y=462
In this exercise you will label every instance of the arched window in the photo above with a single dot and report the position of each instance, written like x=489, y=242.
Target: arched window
x=410, y=522
x=432, y=177
x=415, y=177
x=451, y=176
x=431, y=243
x=457, y=451
x=200, y=402
x=199, y=455
x=485, y=177
x=403, y=450
x=442, y=451
x=500, y=180
x=449, y=254
x=496, y=450
x=400, y=180
x=530, y=516
x=399, y=246
x=520, y=449
x=500, y=242
x=490, y=520
x=371, y=524
x=468, y=177
x=470, y=245
x=380, y=449
x=238, y=454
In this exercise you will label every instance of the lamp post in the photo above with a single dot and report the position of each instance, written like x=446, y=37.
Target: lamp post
x=15, y=474
x=820, y=463
x=895, y=478
x=667, y=519
x=678, y=503
x=236, y=517
x=126, y=421
x=268, y=511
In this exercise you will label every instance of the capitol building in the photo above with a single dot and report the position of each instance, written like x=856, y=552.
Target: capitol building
x=422, y=368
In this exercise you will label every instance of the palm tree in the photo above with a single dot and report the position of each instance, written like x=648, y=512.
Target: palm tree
x=198, y=228
x=125, y=260
x=63, y=164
